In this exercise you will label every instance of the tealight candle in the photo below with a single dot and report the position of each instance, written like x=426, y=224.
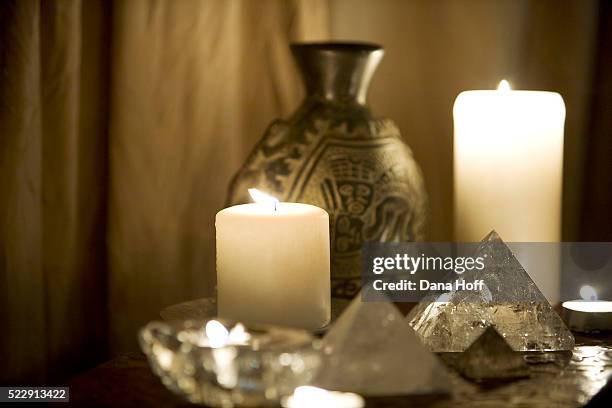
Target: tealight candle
x=273, y=263
x=589, y=314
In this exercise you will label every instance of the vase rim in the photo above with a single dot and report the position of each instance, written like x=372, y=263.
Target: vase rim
x=351, y=46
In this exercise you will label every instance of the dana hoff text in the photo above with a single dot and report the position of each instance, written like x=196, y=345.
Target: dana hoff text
x=423, y=284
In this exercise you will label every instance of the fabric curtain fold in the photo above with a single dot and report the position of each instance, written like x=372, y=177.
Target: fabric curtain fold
x=53, y=194
x=121, y=124
x=22, y=283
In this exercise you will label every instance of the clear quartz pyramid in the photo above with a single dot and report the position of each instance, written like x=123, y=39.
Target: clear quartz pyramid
x=510, y=301
x=371, y=350
x=490, y=357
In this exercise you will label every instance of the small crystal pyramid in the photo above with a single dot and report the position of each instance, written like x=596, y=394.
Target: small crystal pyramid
x=490, y=357
x=372, y=351
x=510, y=300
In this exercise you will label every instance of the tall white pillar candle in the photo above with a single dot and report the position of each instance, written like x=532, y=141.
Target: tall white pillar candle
x=508, y=160
x=273, y=264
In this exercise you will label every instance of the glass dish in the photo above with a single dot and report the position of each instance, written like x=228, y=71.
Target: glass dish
x=224, y=363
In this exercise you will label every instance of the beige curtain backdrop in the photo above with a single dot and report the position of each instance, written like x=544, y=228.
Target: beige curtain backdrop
x=121, y=123
x=52, y=194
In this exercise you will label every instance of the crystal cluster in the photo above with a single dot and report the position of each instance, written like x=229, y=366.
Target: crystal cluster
x=372, y=351
x=510, y=301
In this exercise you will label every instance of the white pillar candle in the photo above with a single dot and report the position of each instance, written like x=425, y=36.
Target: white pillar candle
x=508, y=159
x=273, y=263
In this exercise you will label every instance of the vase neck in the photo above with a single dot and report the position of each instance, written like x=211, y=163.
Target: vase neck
x=337, y=71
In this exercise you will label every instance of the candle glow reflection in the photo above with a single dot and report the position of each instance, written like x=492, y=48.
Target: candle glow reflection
x=308, y=397
x=587, y=292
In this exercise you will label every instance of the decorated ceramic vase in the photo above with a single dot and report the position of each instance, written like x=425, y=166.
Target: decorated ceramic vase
x=332, y=153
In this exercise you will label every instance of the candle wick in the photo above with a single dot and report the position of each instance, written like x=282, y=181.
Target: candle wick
x=275, y=205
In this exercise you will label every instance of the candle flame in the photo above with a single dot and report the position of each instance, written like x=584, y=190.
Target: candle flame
x=504, y=86
x=587, y=292
x=239, y=335
x=217, y=333
x=262, y=198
